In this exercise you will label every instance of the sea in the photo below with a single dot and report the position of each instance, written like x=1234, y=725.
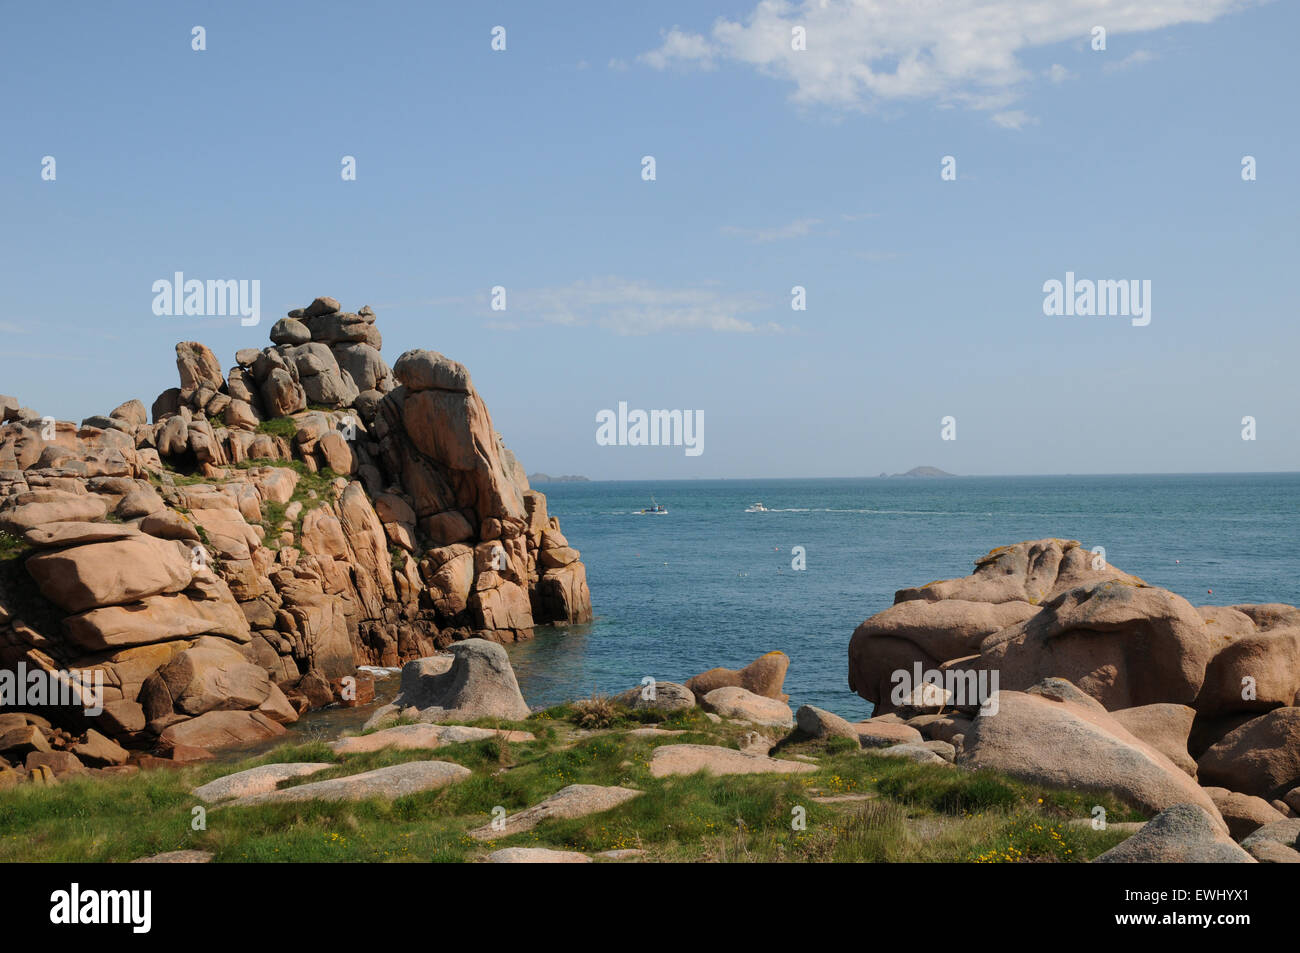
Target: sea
x=708, y=584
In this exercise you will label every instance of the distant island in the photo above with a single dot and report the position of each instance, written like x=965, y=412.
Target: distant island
x=923, y=473
x=547, y=478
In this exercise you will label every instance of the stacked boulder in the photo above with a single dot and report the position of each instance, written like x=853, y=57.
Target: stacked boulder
x=228, y=565
x=1103, y=682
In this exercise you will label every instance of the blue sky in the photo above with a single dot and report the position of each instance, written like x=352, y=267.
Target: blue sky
x=775, y=168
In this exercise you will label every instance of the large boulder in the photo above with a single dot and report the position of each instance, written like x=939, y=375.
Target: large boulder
x=58, y=508
x=1164, y=727
x=1035, y=571
x=111, y=573
x=663, y=696
x=213, y=676
x=1125, y=645
x=763, y=676
x=921, y=631
x=741, y=705
x=1060, y=736
x=198, y=368
x=207, y=608
x=1255, y=669
x=1243, y=813
x=1180, y=834
x=1261, y=757
x=478, y=684
x=1275, y=843
x=220, y=729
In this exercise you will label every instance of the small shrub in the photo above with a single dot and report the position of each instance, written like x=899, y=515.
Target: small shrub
x=598, y=711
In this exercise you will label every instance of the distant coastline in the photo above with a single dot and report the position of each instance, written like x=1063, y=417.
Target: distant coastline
x=921, y=473
x=547, y=478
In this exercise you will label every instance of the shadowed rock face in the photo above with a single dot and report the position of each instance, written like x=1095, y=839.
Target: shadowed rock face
x=333, y=512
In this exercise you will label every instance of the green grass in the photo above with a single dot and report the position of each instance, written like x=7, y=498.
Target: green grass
x=916, y=812
x=11, y=547
x=284, y=427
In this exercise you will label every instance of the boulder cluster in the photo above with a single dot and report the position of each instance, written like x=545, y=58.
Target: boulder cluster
x=227, y=564
x=1103, y=683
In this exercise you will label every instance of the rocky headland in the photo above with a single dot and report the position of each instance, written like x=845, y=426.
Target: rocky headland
x=225, y=560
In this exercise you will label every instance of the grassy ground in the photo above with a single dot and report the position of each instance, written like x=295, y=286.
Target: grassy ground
x=914, y=812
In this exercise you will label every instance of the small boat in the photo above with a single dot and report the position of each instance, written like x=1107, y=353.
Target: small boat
x=655, y=509
x=757, y=508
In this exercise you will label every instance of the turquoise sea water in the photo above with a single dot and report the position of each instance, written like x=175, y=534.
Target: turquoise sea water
x=709, y=584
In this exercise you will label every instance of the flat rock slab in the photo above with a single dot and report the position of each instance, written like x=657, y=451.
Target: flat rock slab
x=741, y=705
x=652, y=733
x=255, y=780
x=875, y=733
x=577, y=800
x=536, y=855
x=628, y=853
x=177, y=857
x=844, y=798
x=422, y=736
x=912, y=752
x=395, y=781
x=55, y=535
x=688, y=759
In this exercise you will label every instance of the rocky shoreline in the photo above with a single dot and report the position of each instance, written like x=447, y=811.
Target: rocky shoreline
x=224, y=567
x=1100, y=682
x=232, y=564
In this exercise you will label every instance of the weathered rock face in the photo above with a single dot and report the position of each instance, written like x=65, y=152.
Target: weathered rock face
x=1262, y=757
x=1181, y=834
x=1213, y=689
x=1058, y=735
x=477, y=682
x=344, y=513
x=763, y=676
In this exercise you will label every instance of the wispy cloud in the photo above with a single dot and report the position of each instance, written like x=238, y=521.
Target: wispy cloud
x=1059, y=74
x=862, y=53
x=632, y=307
x=799, y=228
x=1136, y=58
x=1013, y=119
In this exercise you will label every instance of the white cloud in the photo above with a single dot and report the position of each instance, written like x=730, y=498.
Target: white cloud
x=1013, y=119
x=1059, y=74
x=680, y=47
x=861, y=53
x=1136, y=58
x=632, y=307
x=799, y=228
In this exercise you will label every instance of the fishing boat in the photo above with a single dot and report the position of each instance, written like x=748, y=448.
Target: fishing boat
x=655, y=509
x=757, y=508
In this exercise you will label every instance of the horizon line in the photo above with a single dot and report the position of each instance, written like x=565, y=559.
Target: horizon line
x=951, y=476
